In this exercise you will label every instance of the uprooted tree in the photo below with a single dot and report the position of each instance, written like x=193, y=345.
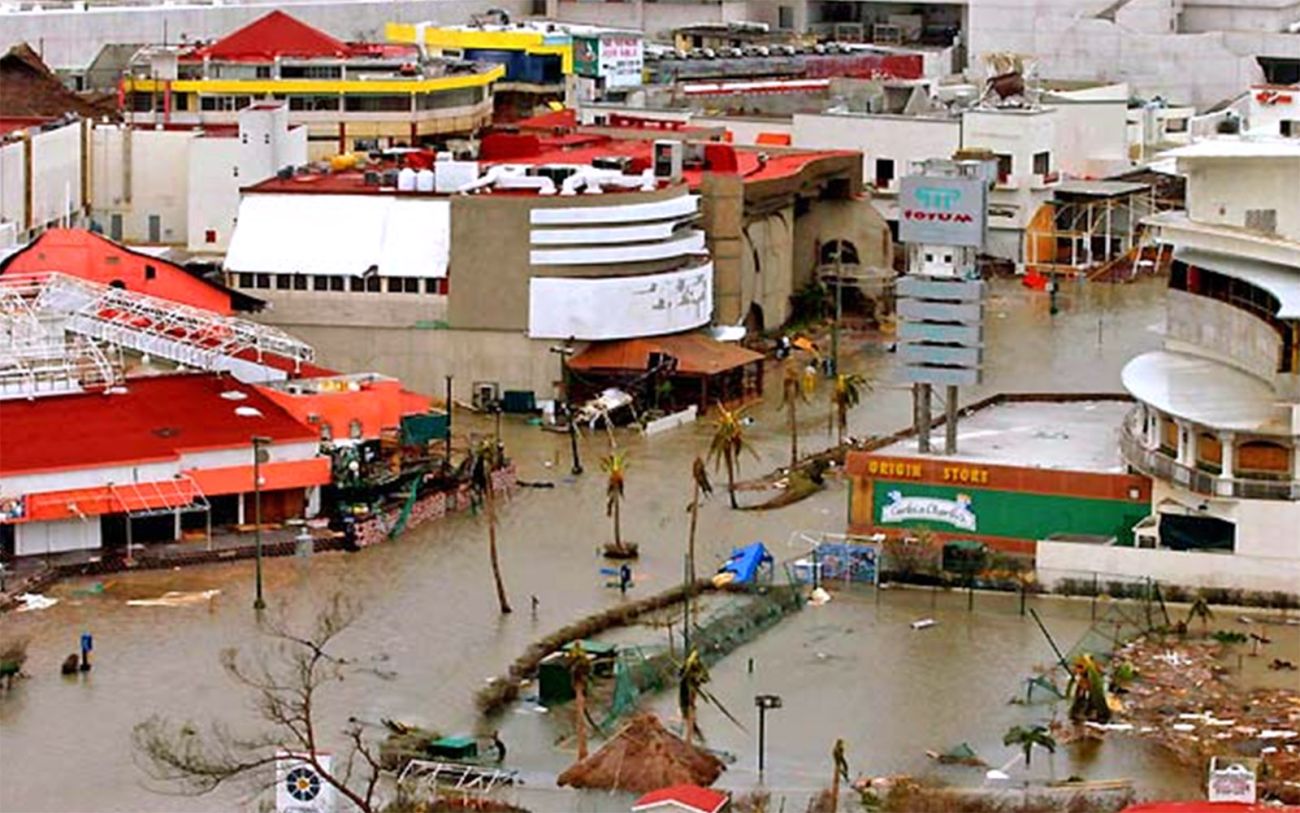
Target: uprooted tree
x=286, y=678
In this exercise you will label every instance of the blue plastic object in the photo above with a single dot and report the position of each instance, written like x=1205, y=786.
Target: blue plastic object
x=745, y=562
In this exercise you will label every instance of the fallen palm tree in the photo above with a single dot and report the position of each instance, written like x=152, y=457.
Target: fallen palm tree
x=643, y=756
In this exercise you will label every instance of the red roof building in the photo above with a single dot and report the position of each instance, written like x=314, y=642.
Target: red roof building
x=175, y=443
x=690, y=798
x=89, y=256
x=272, y=35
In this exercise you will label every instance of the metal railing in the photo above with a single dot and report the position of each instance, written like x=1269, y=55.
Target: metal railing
x=1155, y=463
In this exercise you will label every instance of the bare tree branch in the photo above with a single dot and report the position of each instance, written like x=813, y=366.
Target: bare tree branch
x=284, y=679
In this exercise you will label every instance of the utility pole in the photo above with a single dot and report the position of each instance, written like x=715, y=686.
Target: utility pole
x=839, y=308
x=259, y=457
x=764, y=702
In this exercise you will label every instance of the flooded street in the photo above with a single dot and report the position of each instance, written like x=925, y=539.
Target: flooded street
x=429, y=606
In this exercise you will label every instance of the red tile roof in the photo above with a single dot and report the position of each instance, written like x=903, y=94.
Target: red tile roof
x=690, y=797
x=696, y=354
x=89, y=256
x=279, y=34
x=155, y=419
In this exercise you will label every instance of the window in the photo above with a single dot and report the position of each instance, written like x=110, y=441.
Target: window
x=282, y=282
x=463, y=97
x=141, y=102
x=1004, y=167
x=1042, y=163
x=356, y=284
x=394, y=285
x=150, y=272
x=374, y=283
x=1263, y=456
x=320, y=283
x=411, y=285
x=245, y=280
x=336, y=283
x=785, y=17
x=1289, y=128
x=1264, y=220
x=210, y=236
x=313, y=102
x=300, y=282
x=1176, y=125
x=263, y=280
x=311, y=71
x=884, y=172
x=436, y=286
x=377, y=104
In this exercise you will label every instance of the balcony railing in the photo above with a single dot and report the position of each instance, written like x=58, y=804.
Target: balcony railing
x=1157, y=464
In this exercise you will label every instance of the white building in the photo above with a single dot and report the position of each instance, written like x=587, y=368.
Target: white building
x=1218, y=421
x=42, y=181
x=180, y=187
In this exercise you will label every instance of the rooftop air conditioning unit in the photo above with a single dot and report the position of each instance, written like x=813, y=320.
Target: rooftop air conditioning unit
x=618, y=162
x=668, y=160
x=557, y=174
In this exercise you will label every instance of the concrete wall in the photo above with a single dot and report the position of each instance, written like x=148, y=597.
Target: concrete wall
x=656, y=19
x=56, y=174
x=295, y=310
x=1061, y=560
x=71, y=38
x=1091, y=138
x=213, y=193
x=767, y=257
x=13, y=174
x=905, y=139
x=1221, y=190
x=421, y=358
x=32, y=538
x=141, y=173
x=1224, y=15
x=854, y=220
x=1224, y=332
x=745, y=130
x=1265, y=528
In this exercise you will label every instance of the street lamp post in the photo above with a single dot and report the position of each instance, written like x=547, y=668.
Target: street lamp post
x=839, y=307
x=764, y=702
x=259, y=457
x=564, y=351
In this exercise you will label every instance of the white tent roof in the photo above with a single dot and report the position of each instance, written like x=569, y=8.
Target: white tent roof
x=1281, y=281
x=1206, y=392
x=341, y=235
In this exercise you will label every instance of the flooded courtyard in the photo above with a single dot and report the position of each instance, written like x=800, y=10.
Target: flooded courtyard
x=853, y=668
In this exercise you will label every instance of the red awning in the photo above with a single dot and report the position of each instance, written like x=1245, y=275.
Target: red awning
x=696, y=355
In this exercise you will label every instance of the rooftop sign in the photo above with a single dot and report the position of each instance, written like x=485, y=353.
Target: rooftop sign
x=943, y=211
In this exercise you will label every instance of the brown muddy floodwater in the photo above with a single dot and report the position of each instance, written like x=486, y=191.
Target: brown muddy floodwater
x=851, y=669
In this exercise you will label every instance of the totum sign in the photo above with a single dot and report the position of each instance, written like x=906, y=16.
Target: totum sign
x=942, y=211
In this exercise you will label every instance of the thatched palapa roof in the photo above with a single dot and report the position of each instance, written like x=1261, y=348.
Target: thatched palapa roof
x=644, y=756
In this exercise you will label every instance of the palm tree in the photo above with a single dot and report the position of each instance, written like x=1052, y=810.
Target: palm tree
x=727, y=444
x=796, y=386
x=1027, y=738
x=845, y=395
x=841, y=772
x=481, y=479
x=700, y=475
x=579, y=672
x=691, y=678
x=1200, y=609
x=615, y=465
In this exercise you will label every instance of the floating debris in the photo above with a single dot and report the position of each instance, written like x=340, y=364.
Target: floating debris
x=923, y=623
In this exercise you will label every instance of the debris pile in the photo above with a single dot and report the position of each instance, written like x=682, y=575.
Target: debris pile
x=1185, y=699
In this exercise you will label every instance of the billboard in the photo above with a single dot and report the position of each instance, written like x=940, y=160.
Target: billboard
x=616, y=58
x=942, y=211
x=593, y=309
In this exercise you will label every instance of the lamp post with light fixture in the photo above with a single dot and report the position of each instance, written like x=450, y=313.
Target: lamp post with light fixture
x=260, y=456
x=564, y=351
x=764, y=703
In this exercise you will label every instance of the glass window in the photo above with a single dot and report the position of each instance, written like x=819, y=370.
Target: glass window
x=263, y=280
x=356, y=284
x=1004, y=167
x=313, y=102
x=1042, y=163
x=282, y=282
x=884, y=172
x=376, y=104
x=411, y=285
x=336, y=283
x=300, y=282
x=320, y=283
x=245, y=280
x=394, y=285
x=374, y=283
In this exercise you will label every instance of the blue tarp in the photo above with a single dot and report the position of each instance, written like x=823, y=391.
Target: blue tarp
x=744, y=562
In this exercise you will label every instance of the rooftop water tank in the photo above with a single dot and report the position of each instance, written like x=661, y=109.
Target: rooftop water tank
x=406, y=180
x=424, y=180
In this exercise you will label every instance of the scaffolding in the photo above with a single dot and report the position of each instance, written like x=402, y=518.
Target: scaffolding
x=51, y=325
x=1088, y=226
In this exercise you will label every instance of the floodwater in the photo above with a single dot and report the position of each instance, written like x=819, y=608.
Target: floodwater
x=430, y=608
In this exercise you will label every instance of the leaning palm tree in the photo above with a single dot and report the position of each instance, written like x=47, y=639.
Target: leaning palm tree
x=579, y=673
x=692, y=675
x=796, y=385
x=845, y=395
x=1028, y=738
x=1200, y=609
x=485, y=462
x=727, y=444
x=615, y=466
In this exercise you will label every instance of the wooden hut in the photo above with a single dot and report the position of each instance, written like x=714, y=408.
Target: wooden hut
x=644, y=756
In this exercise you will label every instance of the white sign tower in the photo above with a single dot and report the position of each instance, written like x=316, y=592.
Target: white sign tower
x=943, y=219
